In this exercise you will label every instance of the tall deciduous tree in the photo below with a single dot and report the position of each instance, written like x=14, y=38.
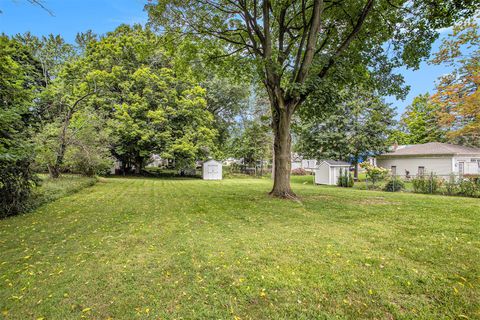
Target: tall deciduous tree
x=225, y=100
x=355, y=131
x=52, y=51
x=252, y=140
x=298, y=45
x=419, y=123
x=153, y=108
x=458, y=93
x=68, y=93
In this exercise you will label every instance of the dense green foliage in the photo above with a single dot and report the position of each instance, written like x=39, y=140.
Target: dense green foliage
x=225, y=100
x=149, y=248
x=254, y=144
x=152, y=109
x=18, y=83
x=419, y=123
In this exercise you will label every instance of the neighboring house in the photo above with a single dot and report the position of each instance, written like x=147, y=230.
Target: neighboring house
x=232, y=161
x=296, y=162
x=328, y=171
x=157, y=161
x=441, y=159
x=306, y=164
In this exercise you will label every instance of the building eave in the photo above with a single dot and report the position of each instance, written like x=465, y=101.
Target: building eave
x=390, y=156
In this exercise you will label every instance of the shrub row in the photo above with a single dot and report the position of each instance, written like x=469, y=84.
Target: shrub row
x=345, y=179
x=467, y=185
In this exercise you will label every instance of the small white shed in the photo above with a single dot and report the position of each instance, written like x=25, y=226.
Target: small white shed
x=328, y=171
x=212, y=170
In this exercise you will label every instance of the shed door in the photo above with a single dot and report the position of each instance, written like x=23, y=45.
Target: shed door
x=334, y=175
x=212, y=168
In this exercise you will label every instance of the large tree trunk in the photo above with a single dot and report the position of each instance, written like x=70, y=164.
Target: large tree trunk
x=62, y=137
x=138, y=165
x=55, y=169
x=282, y=154
x=355, y=166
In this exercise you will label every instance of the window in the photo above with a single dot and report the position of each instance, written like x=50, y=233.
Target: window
x=421, y=171
x=476, y=161
x=394, y=170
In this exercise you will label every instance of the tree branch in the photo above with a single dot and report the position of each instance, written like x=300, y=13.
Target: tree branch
x=344, y=45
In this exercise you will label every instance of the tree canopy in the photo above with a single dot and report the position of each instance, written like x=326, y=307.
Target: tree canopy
x=457, y=94
x=419, y=123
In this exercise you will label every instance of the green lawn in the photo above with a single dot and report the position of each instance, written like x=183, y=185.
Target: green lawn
x=130, y=248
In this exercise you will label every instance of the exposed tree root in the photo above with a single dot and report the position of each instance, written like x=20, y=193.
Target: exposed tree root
x=288, y=195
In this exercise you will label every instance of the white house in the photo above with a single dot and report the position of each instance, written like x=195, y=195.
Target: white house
x=328, y=171
x=441, y=159
x=157, y=161
x=230, y=161
x=212, y=170
x=307, y=164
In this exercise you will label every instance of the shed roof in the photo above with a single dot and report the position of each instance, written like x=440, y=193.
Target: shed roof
x=337, y=163
x=432, y=148
x=211, y=160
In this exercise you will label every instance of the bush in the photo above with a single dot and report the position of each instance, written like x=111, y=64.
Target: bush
x=473, y=177
x=345, y=179
x=394, y=184
x=88, y=161
x=424, y=184
x=16, y=182
x=299, y=172
x=451, y=186
x=374, y=174
x=468, y=187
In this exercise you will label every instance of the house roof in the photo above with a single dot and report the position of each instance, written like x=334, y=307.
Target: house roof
x=296, y=157
x=336, y=163
x=432, y=148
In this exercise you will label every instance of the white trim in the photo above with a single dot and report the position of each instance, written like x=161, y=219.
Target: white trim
x=334, y=165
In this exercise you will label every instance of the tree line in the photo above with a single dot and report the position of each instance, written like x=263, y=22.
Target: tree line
x=120, y=97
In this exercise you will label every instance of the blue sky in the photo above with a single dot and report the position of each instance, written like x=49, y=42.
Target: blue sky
x=72, y=16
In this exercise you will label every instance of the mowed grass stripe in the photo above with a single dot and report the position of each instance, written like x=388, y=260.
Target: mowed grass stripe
x=149, y=248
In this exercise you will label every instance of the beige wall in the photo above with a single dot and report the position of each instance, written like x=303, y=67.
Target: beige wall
x=437, y=165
